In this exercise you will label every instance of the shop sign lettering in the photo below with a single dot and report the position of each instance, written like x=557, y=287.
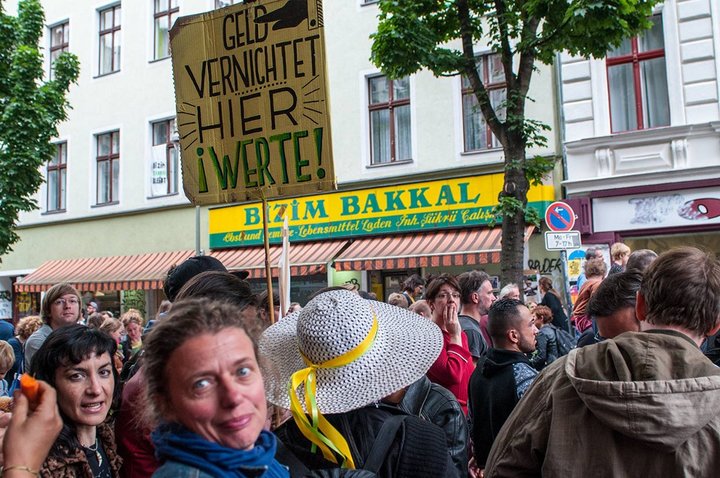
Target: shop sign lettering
x=461, y=202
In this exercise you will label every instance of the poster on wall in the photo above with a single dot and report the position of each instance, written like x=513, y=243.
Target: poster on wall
x=158, y=173
x=531, y=290
x=5, y=304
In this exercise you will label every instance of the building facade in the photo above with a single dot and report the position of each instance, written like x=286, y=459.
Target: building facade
x=113, y=215
x=642, y=133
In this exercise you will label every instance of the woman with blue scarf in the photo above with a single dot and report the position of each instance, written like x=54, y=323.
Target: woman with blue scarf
x=206, y=389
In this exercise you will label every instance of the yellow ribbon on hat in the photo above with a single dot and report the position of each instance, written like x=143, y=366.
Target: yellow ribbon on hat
x=320, y=432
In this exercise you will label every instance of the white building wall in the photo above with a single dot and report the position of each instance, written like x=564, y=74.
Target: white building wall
x=687, y=149
x=142, y=92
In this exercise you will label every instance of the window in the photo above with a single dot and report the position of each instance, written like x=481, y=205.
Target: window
x=389, y=120
x=225, y=3
x=109, y=40
x=108, y=167
x=166, y=11
x=637, y=81
x=477, y=134
x=164, y=159
x=59, y=42
x=57, y=179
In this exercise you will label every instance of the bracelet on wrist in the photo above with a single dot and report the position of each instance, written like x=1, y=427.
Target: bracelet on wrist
x=24, y=468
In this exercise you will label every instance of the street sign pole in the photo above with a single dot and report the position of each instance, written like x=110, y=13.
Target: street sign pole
x=560, y=218
x=566, y=278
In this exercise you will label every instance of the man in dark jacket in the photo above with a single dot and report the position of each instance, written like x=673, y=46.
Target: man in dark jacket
x=612, y=308
x=503, y=375
x=477, y=297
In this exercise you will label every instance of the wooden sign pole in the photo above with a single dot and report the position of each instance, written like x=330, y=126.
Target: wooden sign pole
x=268, y=271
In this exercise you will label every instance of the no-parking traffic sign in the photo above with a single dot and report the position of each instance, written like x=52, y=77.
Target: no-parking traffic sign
x=559, y=217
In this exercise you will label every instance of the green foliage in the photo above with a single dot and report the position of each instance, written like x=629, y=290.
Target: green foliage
x=538, y=167
x=30, y=111
x=441, y=36
x=507, y=206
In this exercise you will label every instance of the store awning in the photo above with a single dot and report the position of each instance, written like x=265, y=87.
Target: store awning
x=138, y=272
x=306, y=258
x=148, y=271
x=465, y=247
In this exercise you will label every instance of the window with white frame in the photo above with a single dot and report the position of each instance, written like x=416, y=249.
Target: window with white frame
x=165, y=13
x=108, y=167
x=59, y=42
x=164, y=161
x=389, y=108
x=476, y=132
x=109, y=33
x=637, y=81
x=56, y=179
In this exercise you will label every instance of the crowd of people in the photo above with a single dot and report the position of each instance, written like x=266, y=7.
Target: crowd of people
x=444, y=378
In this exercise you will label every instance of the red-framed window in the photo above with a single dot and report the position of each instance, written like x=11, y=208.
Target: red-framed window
x=390, y=128
x=476, y=133
x=59, y=42
x=110, y=37
x=637, y=81
x=108, y=167
x=57, y=179
x=165, y=13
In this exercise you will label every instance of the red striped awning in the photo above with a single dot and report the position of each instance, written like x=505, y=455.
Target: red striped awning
x=138, y=272
x=465, y=247
x=306, y=258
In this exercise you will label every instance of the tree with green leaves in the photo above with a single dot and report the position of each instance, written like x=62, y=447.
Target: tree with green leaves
x=30, y=111
x=441, y=35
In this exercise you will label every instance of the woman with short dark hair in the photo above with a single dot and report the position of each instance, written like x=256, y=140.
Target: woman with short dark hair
x=453, y=367
x=78, y=362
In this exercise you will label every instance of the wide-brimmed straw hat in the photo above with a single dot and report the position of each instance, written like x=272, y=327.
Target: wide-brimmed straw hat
x=389, y=353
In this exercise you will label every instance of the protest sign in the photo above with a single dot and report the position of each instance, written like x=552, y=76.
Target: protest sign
x=252, y=104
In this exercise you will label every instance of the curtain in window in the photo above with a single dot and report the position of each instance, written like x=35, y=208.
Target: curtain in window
x=656, y=104
x=402, y=133
x=380, y=127
x=622, y=97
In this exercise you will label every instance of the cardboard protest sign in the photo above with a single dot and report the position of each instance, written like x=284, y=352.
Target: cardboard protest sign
x=252, y=104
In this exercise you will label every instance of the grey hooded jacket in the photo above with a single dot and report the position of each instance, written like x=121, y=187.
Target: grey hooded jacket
x=640, y=405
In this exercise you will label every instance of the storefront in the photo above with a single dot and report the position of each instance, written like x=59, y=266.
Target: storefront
x=115, y=283
x=373, y=237
x=660, y=217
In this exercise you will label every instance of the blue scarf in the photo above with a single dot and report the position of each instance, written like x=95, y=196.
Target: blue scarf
x=176, y=443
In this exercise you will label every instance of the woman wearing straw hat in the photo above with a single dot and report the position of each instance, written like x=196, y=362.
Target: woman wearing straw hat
x=454, y=366
x=335, y=357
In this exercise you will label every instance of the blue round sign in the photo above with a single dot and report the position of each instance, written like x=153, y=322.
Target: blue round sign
x=559, y=217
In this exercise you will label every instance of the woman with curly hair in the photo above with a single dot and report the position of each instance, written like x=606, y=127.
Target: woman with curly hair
x=133, y=322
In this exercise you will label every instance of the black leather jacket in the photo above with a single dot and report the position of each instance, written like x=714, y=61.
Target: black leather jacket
x=417, y=452
x=437, y=405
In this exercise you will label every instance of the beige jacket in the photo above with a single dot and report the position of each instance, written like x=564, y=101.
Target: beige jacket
x=642, y=405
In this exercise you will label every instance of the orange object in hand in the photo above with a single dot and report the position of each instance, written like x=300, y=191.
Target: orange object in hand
x=29, y=387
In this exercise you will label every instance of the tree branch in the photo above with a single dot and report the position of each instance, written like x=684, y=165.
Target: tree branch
x=505, y=49
x=470, y=70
